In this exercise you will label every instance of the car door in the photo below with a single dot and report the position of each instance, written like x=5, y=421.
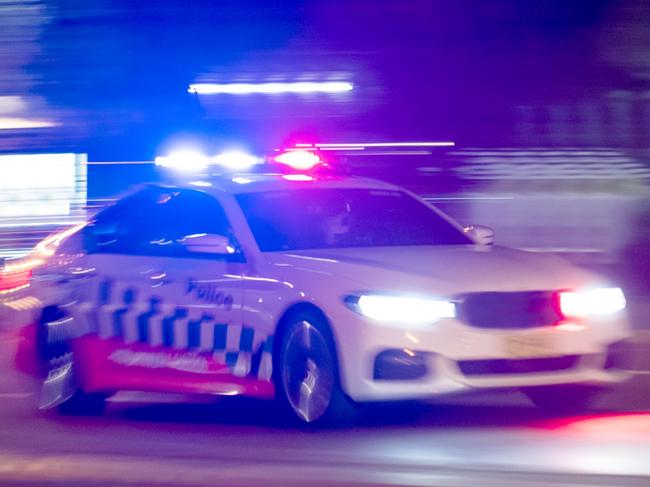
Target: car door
x=114, y=275
x=152, y=294
x=206, y=286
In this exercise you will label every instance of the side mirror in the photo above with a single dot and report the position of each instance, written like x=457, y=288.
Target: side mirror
x=480, y=234
x=208, y=243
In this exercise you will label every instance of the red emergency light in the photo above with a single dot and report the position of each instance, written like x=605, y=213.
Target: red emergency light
x=299, y=160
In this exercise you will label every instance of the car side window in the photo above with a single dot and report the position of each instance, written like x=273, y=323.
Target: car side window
x=116, y=229
x=155, y=221
x=188, y=213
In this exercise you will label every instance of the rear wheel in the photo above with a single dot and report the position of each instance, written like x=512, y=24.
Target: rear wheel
x=60, y=387
x=84, y=404
x=306, y=373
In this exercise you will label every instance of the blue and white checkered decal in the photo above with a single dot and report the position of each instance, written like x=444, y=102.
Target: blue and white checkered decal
x=112, y=311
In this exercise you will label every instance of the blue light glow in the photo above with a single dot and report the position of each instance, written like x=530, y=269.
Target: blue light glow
x=236, y=160
x=184, y=160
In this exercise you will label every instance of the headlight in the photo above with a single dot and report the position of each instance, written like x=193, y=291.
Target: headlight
x=592, y=302
x=405, y=309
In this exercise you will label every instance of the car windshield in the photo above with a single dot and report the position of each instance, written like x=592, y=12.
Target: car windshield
x=335, y=218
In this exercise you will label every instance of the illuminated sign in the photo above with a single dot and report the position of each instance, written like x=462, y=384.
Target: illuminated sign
x=42, y=189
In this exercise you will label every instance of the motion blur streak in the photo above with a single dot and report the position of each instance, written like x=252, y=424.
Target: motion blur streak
x=39, y=192
x=379, y=144
x=270, y=88
x=23, y=123
x=184, y=160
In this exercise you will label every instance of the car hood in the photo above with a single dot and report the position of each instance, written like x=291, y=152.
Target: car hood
x=447, y=270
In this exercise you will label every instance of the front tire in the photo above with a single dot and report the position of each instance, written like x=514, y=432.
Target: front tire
x=306, y=373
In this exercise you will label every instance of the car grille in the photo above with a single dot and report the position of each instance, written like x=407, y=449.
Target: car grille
x=506, y=310
x=518, y=366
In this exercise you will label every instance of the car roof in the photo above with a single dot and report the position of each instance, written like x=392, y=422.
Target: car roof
x=253, y=183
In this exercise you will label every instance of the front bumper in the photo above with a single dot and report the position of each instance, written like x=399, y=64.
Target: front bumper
x=381, y=362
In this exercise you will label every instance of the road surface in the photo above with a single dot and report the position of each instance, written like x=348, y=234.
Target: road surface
x=490, y=440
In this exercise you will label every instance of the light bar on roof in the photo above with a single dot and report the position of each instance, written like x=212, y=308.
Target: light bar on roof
x=190, y=160
x=236, y=160
x=184, y=160
x=270, y=88
x=302, y=160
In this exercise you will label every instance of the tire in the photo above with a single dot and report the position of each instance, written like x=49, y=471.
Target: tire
x=563, y=399
x=306, y=372
x=61, y=390
x=60, y=387
x=84, y=404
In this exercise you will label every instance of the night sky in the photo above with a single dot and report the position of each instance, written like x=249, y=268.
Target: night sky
x=115, y=73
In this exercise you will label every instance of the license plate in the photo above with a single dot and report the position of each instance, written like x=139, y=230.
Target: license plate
x=528, y=346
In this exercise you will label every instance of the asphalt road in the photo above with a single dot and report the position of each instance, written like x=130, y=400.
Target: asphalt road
x=488, y=440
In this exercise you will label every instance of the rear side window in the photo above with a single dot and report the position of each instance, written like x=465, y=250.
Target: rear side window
x=114, y=230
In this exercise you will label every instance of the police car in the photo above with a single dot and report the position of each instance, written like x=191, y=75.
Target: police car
x=315, y=289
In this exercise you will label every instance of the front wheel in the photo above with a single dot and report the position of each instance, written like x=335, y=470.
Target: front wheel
x=306, y=376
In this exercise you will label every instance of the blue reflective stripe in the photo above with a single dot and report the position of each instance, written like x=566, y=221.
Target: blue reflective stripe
x=128, y=298
x=242, y=349
x=220, y=336
x=194, y=331
x=105, y=291
x=246, y=340
x=143, y=319
x=168, y=326
x=231, y=358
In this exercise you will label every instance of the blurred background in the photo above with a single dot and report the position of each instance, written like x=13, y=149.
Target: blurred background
x=547, y=104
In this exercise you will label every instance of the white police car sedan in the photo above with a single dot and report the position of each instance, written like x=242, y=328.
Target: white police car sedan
x=315, y=290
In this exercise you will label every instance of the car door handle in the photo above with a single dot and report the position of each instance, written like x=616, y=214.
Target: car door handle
x=159, y=278
x=78, y=274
